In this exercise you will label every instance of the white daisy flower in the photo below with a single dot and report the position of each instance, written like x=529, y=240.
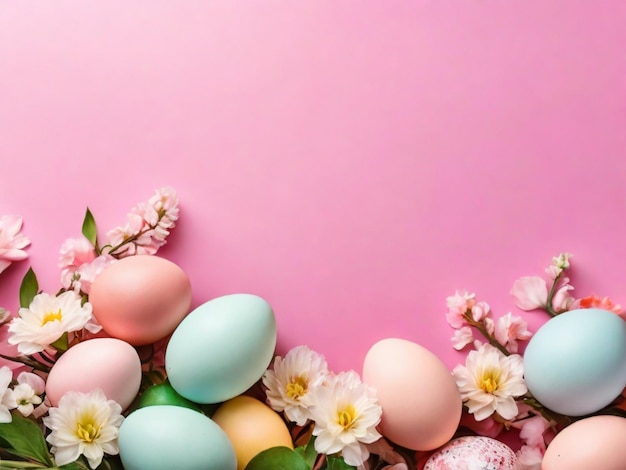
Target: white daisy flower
x=346, y=413
x=46, y=319
x=490, y=381
x=84, y=423
x=291, y=380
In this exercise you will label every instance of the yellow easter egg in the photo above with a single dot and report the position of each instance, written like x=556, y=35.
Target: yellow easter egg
x=252, y=427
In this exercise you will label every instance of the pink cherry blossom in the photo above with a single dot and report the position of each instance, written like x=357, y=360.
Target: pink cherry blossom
x=480, y=311
x=509, y=329
x=562, y=301
x=462, y=337
x=528, y=458
x=75, y=252
x=458, y=304
x=530, y=292
x=12, y=241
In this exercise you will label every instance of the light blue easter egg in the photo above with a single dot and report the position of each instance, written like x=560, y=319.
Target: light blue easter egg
x=575, y=364
x=165, y=437
x=221, y=348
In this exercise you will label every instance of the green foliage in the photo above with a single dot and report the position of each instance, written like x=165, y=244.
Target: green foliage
x=89, y=229
x=24, y=439
x=337, y=463
x=28, y=288
x=278, y=458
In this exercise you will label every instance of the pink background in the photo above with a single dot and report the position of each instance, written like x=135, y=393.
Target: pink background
x=352, y=162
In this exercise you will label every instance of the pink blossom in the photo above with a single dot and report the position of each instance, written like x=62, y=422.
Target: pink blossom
x=530, y=293
x=528, y=458
x=148, y=226
x=462, y=337
x=562, y=301
x=36, y=383
x=487, y=427
x=509, y=329
x=12, y=241
x=458, y=304
x=75, y=252
x=532, y=430
x=480, y=311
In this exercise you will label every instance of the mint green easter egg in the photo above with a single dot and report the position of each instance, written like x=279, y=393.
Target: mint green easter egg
x=166, y=437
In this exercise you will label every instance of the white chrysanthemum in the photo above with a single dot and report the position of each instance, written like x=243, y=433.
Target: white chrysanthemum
x=291, y=380
x=6, y=395
x=46, y=319
x=84, y=423
x=490, y=381
x=346, y=413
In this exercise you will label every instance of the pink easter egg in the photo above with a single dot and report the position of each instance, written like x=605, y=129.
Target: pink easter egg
x=109, y=364
x=418, y=395
x=592, y=443
x=472, y=453
x=140, y=299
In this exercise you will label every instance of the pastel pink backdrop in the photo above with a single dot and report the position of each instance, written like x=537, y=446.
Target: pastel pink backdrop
x=354, y=163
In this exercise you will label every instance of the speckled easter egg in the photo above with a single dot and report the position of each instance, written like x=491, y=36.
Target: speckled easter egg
x=472, y=453
x=140, y=299
x=418, y=394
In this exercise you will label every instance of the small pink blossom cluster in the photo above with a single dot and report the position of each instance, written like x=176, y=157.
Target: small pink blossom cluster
x=465, y=314
x=148, y=225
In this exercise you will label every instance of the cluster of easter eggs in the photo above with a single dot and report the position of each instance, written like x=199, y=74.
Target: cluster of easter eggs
x=575, y=364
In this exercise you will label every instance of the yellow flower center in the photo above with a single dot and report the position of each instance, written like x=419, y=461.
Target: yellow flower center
x=52, y=316
x=87, y=432
x=346, y=417
x=490, y=380
x=297, y=387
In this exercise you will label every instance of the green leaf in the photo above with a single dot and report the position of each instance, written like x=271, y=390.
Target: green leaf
x=25, y=440
x=337, y=463
x=89, y=228
x=61, y=344
x=278, y=458
x=28, y=288
x=308, y=452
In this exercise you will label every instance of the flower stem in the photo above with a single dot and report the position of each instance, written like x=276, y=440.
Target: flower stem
x=483, y=330
x=29, y=362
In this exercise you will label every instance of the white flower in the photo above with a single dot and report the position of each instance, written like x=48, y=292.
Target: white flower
x=6, y=395
x=489, y=381
x=84, y=423
x=46, y=319
x=562, y=261
x=346, y=414
x=290, y=382
x=26, y=393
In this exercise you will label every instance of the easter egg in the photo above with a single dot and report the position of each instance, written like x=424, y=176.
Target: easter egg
x=166, y=437
x=109, y=364
x=221, y=348
x=592, y=443
x=164, y=394
x=575, y=364
x=418, y=395
x=472, y=453
x=140, y=299
x=252, y=427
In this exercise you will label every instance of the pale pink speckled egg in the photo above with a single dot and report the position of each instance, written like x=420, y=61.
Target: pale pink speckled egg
x=472, y=453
